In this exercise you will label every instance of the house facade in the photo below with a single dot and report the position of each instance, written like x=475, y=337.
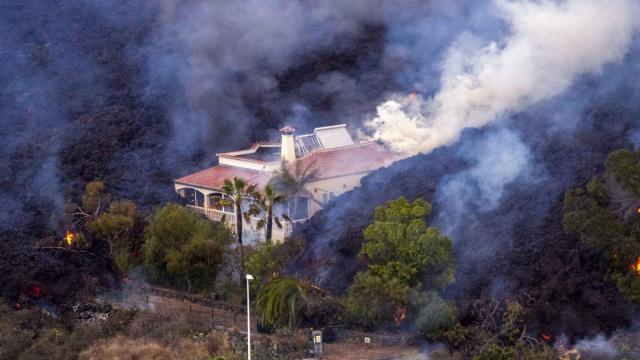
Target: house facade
x=328, y=159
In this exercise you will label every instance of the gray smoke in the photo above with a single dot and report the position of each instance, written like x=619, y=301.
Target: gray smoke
x=549, y=44
x=497, y=160
x=225, y=66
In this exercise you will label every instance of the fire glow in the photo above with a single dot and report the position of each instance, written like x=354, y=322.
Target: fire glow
x=636, y=267
x=69, y=236
x=401, y=314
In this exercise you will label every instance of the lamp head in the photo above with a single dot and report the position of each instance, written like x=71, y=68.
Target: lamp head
x=249, y=277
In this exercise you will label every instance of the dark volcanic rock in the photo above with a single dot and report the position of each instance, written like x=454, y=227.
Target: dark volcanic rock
x=515, y=247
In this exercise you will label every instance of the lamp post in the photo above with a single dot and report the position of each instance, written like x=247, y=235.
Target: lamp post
x=249, y=277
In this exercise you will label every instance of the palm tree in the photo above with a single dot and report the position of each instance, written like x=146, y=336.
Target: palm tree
x=281, y=301
x=265, y=201
x=293, y=184
x=237, y=190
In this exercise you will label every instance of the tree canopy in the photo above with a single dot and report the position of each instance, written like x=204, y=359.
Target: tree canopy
x=405, y=257
x=181, y=245
x=116, y=225
x=605, y=215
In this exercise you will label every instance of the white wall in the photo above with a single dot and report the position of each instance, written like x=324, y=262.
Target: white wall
x=246, y=164
x=337, y=185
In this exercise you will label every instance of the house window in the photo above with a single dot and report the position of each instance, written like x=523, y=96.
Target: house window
x=192, y=196
x=215, y=200
x=328, y=196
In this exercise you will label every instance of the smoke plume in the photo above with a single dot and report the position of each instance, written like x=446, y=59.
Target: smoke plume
x=496, y=160
x=549, y=45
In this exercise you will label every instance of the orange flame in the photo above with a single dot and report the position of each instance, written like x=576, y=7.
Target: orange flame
x=636, y=267
x=69, y=237
x=400, y=315
x=546, y=337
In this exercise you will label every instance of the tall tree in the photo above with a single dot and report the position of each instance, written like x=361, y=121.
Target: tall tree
x=237, y=190
x=405, y=258
x=265, y=202
x=116, y=226
x=183, y=246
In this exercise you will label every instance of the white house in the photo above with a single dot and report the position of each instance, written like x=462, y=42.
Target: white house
x=336, y=163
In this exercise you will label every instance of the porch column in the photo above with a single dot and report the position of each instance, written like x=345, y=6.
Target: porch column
x=206, y=200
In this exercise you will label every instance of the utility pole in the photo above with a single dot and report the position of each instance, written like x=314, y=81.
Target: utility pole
x=249, y=277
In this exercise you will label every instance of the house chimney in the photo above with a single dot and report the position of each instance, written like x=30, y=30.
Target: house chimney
x=288, y=146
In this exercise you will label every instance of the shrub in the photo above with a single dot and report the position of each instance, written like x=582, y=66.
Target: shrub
x=182, y=246
x=122, y=348
x=435, y=315
x=404, y=256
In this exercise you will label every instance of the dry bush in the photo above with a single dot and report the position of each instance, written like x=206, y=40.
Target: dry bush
x=121, y=348
x=218, y=342
x=167, y=328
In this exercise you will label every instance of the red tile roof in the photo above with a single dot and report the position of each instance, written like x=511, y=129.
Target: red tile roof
x=213, y=178
x=352, y=159
x=347, y=160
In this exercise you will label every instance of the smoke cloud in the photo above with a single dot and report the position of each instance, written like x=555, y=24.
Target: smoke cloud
x=548, y=46
x=233, y=71
x=496, y=160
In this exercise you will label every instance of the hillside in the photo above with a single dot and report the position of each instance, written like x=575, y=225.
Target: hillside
x=507, y=244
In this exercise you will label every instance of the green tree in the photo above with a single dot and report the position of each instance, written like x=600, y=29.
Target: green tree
x=180, y=244
x=95, y=198
x=237, y=191
x=265, y=201
x=264, y=262
x=404, y=256
x=267, y=261
x=624, y=166
x=116, y=226
x=606, y=216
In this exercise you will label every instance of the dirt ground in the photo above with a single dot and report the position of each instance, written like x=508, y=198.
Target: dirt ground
x=143, y=299
x=347, y=351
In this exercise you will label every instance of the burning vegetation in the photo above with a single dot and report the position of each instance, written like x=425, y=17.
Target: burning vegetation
x=69, y=237
x=492, y=268
x=636, y=267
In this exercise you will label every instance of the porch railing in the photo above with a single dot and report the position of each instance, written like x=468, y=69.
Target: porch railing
x=249, y=228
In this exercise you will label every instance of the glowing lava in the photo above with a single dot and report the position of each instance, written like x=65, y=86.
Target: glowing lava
x=636, y=267
x=69, y=237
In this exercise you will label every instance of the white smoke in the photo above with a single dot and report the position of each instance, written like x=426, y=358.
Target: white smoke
x=598, y=347
x=550, y=44
x=498, y=159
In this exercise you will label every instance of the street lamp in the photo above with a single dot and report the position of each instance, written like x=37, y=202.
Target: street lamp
x=249, y=277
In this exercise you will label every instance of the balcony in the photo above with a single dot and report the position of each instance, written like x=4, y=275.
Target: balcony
x=251, y=235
